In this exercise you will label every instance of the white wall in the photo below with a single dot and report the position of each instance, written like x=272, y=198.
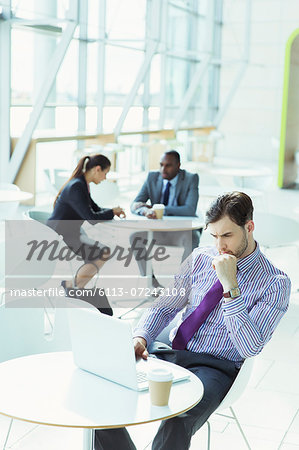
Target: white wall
x=251, y=125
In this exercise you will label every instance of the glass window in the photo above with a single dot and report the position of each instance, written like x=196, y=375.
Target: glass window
x=32, y=9
x=19, y=117
x=66, y=118
x=125, y=33
x=91, y=118
x=154, y=116
x=176, y=80
x=22, y=67
x=121, y=68
x=67, y=77
x=110, y=117
x=177, y=29
x=134, y=119
x=118, y=34
x=92, y=73
x=155, y=79
x=125, y=20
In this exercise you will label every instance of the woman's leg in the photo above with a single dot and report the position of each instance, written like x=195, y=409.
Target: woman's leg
x=86, y=273
x=91, y=267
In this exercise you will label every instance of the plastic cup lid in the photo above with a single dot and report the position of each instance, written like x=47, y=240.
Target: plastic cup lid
x=159, y=374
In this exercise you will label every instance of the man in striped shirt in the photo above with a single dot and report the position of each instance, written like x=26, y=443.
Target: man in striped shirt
x=254, y=296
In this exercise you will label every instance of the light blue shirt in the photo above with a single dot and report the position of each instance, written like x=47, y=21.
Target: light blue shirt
x=172, y=201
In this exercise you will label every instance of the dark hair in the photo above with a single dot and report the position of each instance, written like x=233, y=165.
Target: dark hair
x=174, y=154
x=236, y=205
x=85, y=164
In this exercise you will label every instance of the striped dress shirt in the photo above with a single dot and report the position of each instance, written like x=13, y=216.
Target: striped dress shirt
x=235, y=329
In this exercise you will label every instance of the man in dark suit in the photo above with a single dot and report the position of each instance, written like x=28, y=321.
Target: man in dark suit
x=177, y=189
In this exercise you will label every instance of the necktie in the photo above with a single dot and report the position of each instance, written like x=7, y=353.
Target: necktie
x=166, y=194
x=192, y=323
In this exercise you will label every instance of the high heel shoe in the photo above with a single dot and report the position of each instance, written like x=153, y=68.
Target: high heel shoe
x=102, y=302
x=95, y=297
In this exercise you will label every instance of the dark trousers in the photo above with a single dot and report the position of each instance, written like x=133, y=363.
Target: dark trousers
x=217, y=376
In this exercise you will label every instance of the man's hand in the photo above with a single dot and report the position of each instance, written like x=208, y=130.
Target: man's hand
x=226, y=269
x=140, y=348
x=137, y=205
x=150, y=214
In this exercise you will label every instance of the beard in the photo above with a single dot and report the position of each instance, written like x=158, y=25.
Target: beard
x=242, y=247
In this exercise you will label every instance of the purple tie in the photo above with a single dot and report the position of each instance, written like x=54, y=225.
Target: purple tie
x=192, y=323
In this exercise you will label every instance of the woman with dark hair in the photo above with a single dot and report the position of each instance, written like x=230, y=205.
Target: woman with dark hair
x=72, y=206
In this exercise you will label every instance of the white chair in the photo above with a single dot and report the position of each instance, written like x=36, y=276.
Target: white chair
x=235, y=392
x=42, y=217
x=28, y=262
x=30, y=266
x=233, y=395
x=22, y=331
x=39, y=215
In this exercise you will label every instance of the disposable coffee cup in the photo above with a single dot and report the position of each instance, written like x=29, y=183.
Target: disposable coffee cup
x=159, y=210
x=159, y=381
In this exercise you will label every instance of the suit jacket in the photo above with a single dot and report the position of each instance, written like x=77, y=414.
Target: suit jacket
x=73, y=207
x=186, y=193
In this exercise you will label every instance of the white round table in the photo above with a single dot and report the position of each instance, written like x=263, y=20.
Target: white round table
x=14, y=196
x=9, y=202
x=208, y=193
x=166, y=224
x=136, y=223
x=49, y=389
x=229, y=173
x=214, y=191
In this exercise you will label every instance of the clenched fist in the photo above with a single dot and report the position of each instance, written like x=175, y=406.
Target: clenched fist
x=226, y=269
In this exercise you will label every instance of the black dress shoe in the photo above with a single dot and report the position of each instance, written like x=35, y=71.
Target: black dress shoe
x=95, y=297
x=155, y=283
x=158, y=288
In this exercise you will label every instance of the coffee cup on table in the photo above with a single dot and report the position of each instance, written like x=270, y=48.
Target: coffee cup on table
x=159, y=381
x=158, y=208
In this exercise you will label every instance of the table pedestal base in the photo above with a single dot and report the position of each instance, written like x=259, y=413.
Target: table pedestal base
x=88, y=435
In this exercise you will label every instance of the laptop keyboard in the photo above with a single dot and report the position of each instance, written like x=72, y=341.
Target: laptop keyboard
x=141, y=376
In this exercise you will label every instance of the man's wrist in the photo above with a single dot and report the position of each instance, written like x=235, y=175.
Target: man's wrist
x=232, y=293
x=229, y=284
x=141, y=333
x=141, y=339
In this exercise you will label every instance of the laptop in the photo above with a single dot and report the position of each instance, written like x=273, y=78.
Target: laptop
x=103, y=345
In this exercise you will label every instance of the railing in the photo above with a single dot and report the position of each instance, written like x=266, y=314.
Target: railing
x=26, y=178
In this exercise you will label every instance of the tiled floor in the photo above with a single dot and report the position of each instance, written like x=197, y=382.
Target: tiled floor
x=268, y=410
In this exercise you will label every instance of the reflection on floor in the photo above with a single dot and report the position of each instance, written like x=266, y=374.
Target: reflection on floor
x=269, y=409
